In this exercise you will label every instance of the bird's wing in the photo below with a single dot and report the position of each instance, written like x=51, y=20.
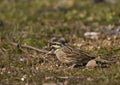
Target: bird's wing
x=84, y=53
x=70, y=51
x=77, y=54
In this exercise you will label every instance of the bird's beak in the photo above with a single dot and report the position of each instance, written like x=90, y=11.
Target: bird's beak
x=51, y=52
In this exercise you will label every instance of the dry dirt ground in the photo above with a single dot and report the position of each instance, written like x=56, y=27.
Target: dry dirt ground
x=35, y=22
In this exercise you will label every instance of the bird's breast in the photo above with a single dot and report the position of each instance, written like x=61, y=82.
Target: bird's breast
x=62, y=57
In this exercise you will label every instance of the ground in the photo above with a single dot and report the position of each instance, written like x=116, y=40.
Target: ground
x=35, y=22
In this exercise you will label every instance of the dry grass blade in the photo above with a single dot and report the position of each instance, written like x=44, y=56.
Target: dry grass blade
x=30, y=47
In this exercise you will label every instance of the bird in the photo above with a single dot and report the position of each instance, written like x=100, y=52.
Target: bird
x=69, y=55
x=72, y=56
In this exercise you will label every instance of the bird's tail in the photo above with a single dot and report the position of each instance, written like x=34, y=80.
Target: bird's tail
x=103, y=61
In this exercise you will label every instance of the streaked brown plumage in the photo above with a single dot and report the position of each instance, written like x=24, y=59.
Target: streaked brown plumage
x=69, y=55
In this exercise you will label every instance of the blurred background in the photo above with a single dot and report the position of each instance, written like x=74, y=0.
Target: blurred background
x=51, y=16
x=90, y=25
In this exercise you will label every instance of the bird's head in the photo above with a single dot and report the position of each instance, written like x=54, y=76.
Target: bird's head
x=56, y=43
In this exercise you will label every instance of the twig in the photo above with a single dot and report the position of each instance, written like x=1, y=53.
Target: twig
x=65, y=77
x=30, y=47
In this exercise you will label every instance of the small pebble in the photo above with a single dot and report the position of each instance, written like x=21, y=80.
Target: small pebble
x=91, y=63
